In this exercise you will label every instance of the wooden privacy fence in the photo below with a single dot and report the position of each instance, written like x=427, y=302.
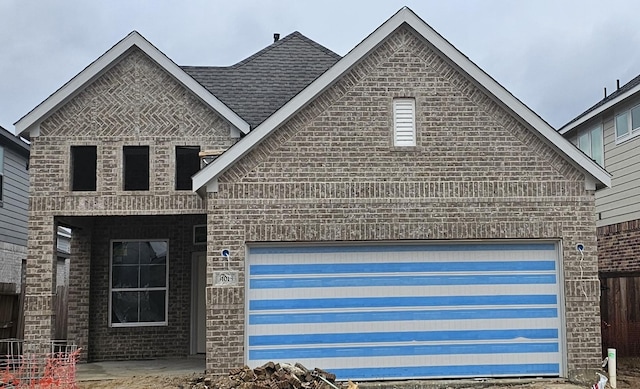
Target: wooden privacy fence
x=620, y=310
x=11, y=314
x=60, y=305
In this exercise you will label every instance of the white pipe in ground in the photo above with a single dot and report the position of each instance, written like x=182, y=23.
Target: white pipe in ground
x=611, y=354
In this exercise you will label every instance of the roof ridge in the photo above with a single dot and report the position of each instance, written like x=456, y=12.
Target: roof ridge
x=295, y=34
x=264, y=50
x=623, y=89
x=317, y=45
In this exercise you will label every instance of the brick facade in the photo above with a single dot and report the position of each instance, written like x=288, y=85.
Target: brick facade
x=133, y=103
x=331, y=174
x=328, y=174
x=619, y=248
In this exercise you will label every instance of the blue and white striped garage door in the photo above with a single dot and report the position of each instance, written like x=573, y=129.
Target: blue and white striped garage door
x=373, y=312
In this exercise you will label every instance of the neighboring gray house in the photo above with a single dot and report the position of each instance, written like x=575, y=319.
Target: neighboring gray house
x=391, y=214
x=14, y=192
x=609, y=132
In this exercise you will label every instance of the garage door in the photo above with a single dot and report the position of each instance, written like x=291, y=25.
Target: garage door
x=407, y=311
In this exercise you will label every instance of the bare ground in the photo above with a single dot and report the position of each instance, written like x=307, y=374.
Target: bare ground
x=628, y=378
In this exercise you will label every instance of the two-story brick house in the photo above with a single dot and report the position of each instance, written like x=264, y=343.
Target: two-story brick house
x=394, y=213
x=608, y=132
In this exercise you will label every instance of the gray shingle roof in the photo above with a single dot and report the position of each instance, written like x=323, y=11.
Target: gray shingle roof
x=258, y=86
x=623, y=89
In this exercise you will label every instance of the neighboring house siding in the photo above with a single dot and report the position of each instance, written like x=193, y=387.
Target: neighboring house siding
x=13, y=212
x=331, y=174
x=13, y=215
x=621, y=202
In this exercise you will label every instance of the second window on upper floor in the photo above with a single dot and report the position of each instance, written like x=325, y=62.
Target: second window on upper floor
x=83, y=168
x=135, y=167
x=590, y=141
x=187, y=164
x=628, y=123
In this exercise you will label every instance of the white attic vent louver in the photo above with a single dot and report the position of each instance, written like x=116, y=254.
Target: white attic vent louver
x=404, y=123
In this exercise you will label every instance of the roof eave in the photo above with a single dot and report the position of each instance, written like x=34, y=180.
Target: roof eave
x=29, y=124
x=590, y=115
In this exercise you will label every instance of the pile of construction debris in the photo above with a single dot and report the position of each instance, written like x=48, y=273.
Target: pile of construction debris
x=271, y=376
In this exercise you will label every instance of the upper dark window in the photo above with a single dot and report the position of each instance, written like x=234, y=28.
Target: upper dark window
x=83, y=168
x=136, y=167
x=187, y=164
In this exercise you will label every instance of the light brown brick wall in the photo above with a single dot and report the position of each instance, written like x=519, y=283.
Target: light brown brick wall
x=331, y=174
x=133, y=103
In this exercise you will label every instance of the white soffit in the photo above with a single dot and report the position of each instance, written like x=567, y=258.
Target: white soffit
x=28, y=125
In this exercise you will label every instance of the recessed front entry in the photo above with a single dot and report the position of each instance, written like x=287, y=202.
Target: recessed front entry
x=397, y=311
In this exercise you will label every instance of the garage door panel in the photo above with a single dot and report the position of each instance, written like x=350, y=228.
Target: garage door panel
x=501, y=325
x=443, y=361
x=435, y=290
x=366, y=308
x=395, y=280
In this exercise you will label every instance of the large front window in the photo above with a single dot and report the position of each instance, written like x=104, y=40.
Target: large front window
x=139, y=283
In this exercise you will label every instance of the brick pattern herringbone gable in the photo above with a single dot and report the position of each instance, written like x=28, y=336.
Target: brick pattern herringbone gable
x=454, y=115
x=135, y=98
x=134, y=103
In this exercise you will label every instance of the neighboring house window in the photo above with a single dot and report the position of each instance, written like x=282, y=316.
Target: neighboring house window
x=628, y=123
x=83, y=168
x=187, y=164
x=404, y=122
x=138, y=280
x=591, y=143
x=1, y=174
x=136, y=167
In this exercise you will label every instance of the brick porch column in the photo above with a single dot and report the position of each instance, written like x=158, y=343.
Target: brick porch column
x=39, y=313
x=79, y=282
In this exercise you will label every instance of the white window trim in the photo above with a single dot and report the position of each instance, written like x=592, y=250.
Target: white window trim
x=165, y=288
x=396, y=141
x=631, y=132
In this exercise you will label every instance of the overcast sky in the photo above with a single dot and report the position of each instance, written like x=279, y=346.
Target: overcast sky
x=554, y=55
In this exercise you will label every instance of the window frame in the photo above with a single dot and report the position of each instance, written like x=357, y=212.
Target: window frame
x=72, y=168
x=112, y=289
x=177, y=169
x=588, y=132
x=124, y=168
x=630, y=132
x=396, y=142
